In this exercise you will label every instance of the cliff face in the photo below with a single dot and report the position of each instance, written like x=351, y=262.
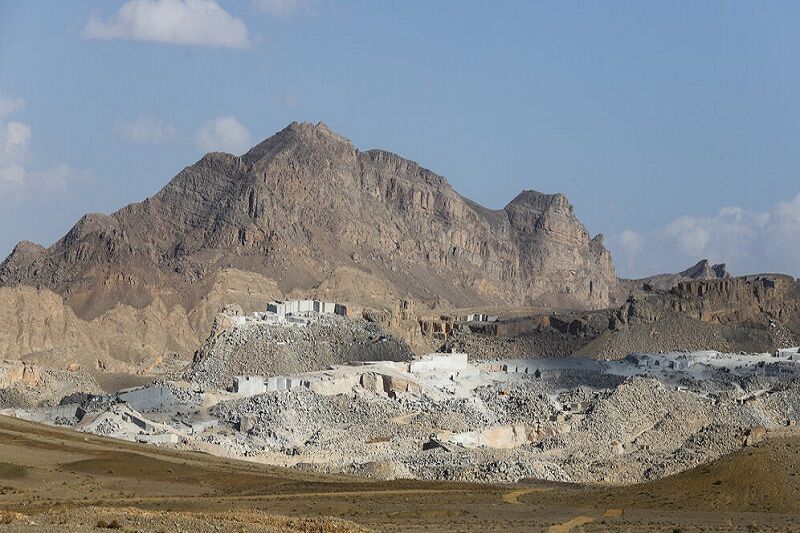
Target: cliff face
x=304, y=206
x=772, y=298
x=305, y=202
x=767, y=303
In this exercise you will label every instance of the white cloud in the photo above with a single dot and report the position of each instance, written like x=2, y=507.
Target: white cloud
x=727, y=236
x=224, y=134
x=147, y=129
x=785, y=235
x=50, y=180
x=15, y=138
x=748, y=241
x=10, y=105
x=187, y=22
x=689, y=234
x=16, y=180
x=631, y=240
x=284, y=9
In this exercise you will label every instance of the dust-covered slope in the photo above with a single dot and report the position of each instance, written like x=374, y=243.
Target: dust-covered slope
x=54, y=479
x=36, y=325
x=259, y=348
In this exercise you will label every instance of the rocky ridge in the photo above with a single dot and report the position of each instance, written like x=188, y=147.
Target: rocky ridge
x=729, y=314
x=702, y=270
x=298, y=210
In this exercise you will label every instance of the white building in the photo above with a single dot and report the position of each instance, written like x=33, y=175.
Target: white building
x=481, y=317
x=284, y=308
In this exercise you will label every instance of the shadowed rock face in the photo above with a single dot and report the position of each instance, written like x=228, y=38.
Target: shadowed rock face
x=304, y=202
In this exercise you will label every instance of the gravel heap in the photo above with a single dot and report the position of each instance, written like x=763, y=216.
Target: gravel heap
x=640, y=430
x=539, y=342
x=51, y=386
x=272, y=349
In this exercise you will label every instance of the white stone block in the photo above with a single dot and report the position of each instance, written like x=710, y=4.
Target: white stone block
x=248, y=385
x=444, y=362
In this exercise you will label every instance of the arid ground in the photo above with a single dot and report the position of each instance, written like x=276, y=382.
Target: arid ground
x=54, y=480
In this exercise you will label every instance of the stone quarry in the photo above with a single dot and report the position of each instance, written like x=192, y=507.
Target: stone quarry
x=270, y=344
x=443, y=416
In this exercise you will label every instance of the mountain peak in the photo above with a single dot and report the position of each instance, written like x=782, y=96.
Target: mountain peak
x=24, y=253
x=539, y=199
x=308, y=131
x=317, y=136
x=304, y=203
x=703, y=269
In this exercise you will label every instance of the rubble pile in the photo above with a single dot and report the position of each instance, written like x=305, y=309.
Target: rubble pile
x=351, y=433
x=26, y=385
x=441, y=416
x=644, y=428
x=270, y=349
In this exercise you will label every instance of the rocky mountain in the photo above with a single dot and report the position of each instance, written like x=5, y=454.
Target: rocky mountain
x=756, y=313
x=303, y=212
x=702, y=270
x=705, y=270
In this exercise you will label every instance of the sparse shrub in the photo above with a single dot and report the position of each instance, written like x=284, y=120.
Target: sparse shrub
x=8, y=517
x=114, y=524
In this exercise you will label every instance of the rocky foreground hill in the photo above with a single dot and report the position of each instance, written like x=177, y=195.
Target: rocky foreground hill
x=303, y=212
x=702, y=270
x=759, y=313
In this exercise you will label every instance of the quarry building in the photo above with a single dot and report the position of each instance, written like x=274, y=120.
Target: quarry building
x=383, y=377
x=283, y=308
x=291, y=313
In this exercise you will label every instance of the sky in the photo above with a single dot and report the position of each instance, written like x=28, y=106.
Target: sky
x=673, y=127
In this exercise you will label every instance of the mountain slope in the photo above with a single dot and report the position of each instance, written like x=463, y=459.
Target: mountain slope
x=305, y=204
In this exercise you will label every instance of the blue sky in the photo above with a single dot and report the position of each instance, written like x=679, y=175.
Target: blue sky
x=671, y=126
